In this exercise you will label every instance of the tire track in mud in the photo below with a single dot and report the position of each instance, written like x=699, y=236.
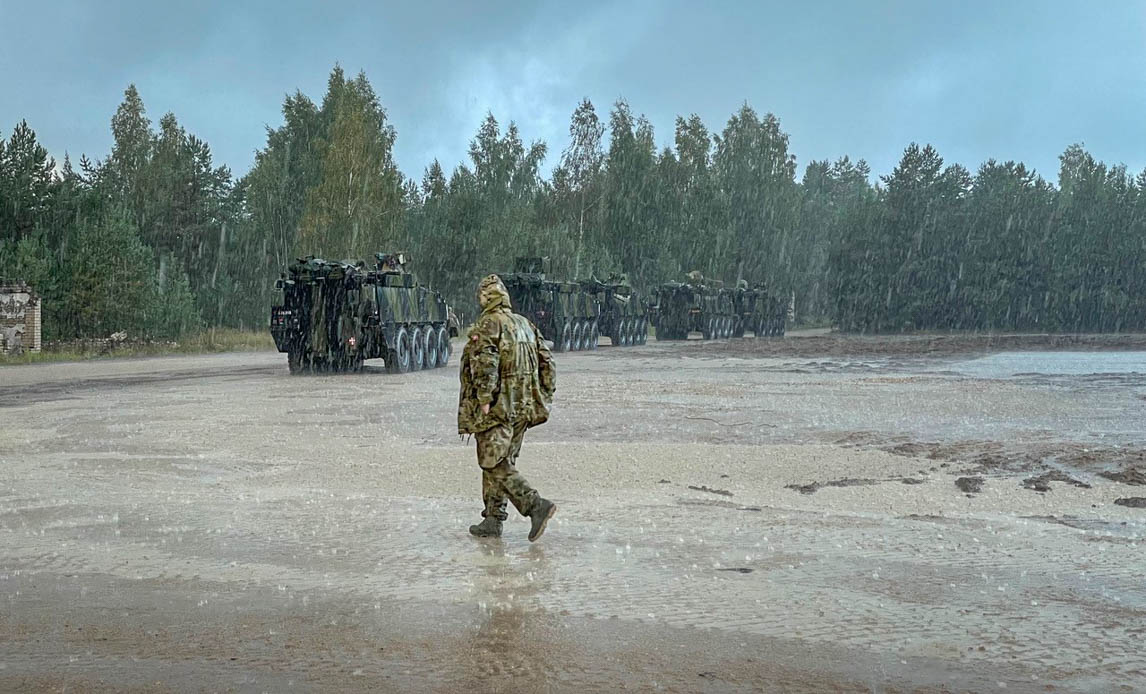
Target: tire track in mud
x=49, y=391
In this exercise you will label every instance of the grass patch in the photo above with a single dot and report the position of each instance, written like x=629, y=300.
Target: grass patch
x=205, y=342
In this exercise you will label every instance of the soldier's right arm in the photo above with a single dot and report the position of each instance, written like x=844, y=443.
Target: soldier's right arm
x=547, y=370
x=485, y=365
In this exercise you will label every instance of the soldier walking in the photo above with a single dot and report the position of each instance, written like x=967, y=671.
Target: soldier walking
x=508, y=379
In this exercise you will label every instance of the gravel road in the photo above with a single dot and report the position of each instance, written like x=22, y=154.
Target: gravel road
x=731, y=519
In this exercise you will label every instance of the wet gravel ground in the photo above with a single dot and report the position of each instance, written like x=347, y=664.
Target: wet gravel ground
x=731, y=519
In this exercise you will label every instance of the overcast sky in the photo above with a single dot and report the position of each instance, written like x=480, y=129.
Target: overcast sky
x=978, y=79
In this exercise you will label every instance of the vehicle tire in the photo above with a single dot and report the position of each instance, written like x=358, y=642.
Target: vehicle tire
x=575, y=339
x=622, y=333
x=444, y=346
x=564, y=342
x=398, y=359
x=727, y=327
x=594, y=336
x=417, y=349
x=709, y=327
x=642, y=334
x=295, y=361
x=355, y=363
x=431, y=347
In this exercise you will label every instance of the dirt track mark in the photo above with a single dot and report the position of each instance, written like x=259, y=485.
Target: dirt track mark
x=813, y=487
x=23, y=395
x=1041, y=483
x=706, y=488
x=970, y=485
x=839, y=345
x=1133, y=476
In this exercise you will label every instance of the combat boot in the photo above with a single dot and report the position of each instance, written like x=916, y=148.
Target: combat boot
x=489, y=527
x=539, y=515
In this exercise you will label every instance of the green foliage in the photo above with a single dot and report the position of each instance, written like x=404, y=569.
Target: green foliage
x=1003, y=250
x=109, y=279
x=157, y=241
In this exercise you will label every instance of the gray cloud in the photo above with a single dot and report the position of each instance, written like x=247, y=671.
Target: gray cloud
x=1014, y=80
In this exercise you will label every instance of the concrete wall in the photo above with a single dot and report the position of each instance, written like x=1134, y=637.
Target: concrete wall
x=20, y=318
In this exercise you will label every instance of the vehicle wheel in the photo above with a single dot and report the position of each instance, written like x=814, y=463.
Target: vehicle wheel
x=398, y=360
x=295, y=362
x=417, y=349
x=564, y=341
x=354, y=365
x=431, y=347
x=575, y=338
x=727, y=327
x=642, y=334
x=443, y=346
x=709, y=326
x=594, y=336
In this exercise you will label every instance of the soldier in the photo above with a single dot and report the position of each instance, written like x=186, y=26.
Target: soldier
x=507, y=384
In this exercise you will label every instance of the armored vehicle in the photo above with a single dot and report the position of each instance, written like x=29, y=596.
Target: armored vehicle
x=564, y=313
x=335, y=315
x=756, y=311
x=775, y=317
x=695, y=305
x=624, y=317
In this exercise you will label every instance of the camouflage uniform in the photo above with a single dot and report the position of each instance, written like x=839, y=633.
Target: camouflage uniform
x=505, y=364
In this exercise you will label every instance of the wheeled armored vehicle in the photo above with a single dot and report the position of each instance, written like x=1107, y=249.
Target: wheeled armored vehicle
x=697, y=305
x=334, y=315
x=565, y=314
x=623, y=316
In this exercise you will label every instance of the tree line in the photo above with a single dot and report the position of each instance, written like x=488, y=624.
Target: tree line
x=157, y=240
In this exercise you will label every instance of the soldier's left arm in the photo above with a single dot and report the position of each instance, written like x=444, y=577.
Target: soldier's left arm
x=546, y=368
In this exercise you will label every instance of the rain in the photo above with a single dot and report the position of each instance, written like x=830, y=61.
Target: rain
x=837, y=408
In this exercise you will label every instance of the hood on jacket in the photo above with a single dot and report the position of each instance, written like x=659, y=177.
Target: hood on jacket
x=492, y=294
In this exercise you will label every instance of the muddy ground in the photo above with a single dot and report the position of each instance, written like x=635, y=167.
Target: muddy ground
x=827, y=515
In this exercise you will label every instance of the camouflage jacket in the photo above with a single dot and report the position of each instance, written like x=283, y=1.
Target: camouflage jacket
x=505, y=363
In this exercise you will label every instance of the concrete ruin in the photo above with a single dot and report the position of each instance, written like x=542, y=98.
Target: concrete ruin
x=20, y=318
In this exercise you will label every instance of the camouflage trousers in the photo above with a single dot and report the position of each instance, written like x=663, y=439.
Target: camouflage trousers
x=497, y=450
